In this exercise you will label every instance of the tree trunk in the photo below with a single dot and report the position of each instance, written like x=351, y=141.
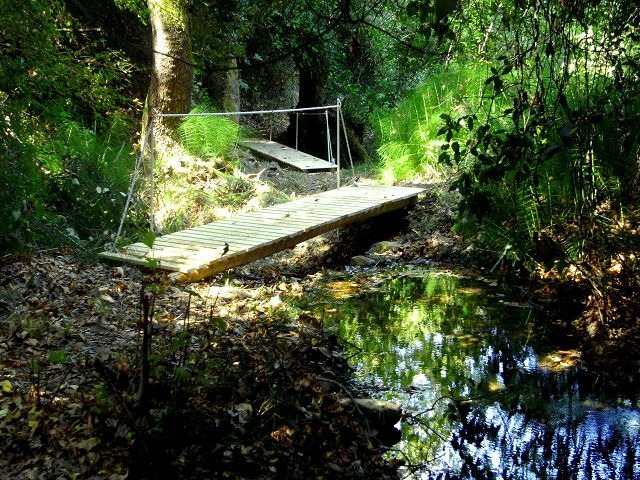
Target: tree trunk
x=171, y=71
x=224, y=89
x=312, y=128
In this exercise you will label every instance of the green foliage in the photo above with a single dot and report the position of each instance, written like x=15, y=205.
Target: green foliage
x=552, y=142
x=480, y=29
x=72, y=188
x=208, y=137
x=541, y=133
x=174, y=12
x=148, y=238
x=137, y=7
x=62, y=178
x=58, y=356
x=89, y=176
x=409, y=134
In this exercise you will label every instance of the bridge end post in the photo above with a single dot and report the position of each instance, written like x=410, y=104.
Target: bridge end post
x=338, y=113
x=152, y=147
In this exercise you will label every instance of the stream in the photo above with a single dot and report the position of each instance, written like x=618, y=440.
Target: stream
x=487, y=392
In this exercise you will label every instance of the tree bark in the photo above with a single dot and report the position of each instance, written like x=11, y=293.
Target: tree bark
x=171, y=70
x=224, y=89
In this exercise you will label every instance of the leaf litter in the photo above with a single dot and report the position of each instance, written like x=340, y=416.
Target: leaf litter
x=239, y=388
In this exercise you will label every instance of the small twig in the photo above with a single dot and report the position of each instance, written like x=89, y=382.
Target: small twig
x=147, y=300
x=64, y=377
x=412, y=467
x=186, y=324
x=345, y=390
x=425, y=425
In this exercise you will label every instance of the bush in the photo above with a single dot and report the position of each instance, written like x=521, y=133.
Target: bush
x=67, y=186
x=61, y=179
x=408, y=135
x=555, y=157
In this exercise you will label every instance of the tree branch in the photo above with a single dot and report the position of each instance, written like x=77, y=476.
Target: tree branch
x=402, y=42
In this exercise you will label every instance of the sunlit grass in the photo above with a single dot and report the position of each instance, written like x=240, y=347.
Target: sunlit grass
x=199, y=180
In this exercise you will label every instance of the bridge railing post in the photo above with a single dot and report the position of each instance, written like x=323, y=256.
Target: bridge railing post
x=338, y=113
x=326, y=119
x=152, y=154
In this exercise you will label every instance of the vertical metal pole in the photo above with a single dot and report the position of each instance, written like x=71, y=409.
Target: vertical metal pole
x=152, y=148
x=326, y=117
x=297, y=117
x=338, y=113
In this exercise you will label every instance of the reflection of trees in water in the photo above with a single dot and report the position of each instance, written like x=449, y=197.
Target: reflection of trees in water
x=491, y=441
x=467, y=368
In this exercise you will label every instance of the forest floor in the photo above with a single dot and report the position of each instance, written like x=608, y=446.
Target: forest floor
x=242, y=385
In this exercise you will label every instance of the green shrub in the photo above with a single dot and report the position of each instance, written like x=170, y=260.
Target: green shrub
x=88, y=177
x=408, y=135
x=61, y=181
x=536, y=172
x=64, y=187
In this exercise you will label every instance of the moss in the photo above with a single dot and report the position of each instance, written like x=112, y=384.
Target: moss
x=173, y=12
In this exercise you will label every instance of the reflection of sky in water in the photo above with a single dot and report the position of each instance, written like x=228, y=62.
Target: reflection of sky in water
x=426, y=341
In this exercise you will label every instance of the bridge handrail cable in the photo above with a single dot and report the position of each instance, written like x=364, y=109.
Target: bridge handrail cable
x=252, y=112
x=147, y=142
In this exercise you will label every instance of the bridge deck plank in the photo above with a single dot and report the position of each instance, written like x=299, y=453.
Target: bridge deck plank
x=288, y=156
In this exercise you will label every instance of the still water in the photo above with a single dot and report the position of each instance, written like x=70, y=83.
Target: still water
x=487, y=393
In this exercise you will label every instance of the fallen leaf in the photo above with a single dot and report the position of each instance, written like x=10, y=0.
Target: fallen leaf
x=107, y=298
x=88, y=443
x=6, y=386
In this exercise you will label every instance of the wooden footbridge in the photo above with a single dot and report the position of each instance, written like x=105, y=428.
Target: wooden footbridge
x=199, y=252
x=288, y=156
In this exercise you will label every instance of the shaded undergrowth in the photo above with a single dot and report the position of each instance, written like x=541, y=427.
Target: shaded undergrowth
x=264, y=402
x=257, y=393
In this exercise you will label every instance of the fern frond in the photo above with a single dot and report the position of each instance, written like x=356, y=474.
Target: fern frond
x=208, y=137
x=527, y=213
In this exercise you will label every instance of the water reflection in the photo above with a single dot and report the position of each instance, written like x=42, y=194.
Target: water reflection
x=489, y=395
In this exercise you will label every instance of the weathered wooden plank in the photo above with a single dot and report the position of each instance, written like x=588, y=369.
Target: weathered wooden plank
x=196, y=242
x=141, y=261
x=217, y=232
x=288, y=156
x=198, y=252
x=246, y=229
x=266, y=249
x=265, y=224
x=169, y=257
x=285, y=223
